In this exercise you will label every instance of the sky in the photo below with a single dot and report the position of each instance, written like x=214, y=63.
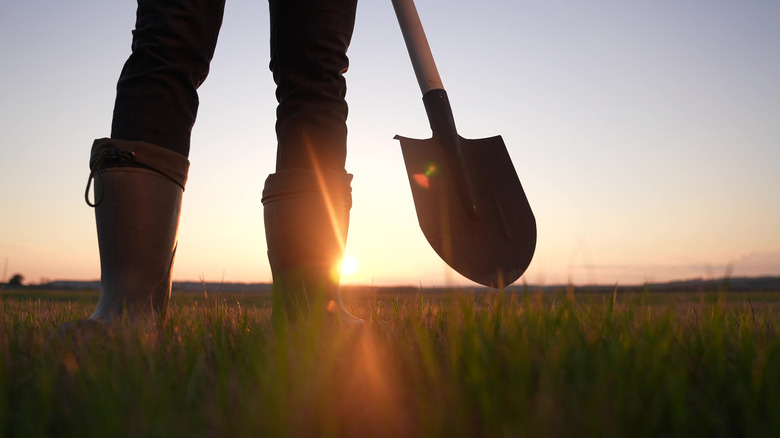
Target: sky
x=646, y=136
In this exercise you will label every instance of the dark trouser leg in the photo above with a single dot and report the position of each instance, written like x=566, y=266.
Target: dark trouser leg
x=173, y=44
x=309, y=40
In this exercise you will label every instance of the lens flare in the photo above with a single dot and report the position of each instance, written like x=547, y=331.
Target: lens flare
x=423, y=179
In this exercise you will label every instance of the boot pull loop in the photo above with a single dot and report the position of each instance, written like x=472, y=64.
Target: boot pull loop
x=109, y=154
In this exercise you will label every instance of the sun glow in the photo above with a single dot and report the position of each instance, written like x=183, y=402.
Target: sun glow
x=349, y=266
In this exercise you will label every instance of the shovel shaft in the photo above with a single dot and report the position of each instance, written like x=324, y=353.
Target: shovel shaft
x=417, y=45
x=437, y=106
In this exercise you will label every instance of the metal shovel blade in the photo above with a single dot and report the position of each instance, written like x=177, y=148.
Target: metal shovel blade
x=492, y=246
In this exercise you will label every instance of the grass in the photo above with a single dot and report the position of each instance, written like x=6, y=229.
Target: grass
x=456, y=364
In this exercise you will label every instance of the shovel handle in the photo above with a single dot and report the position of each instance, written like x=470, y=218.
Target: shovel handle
x=417, y=45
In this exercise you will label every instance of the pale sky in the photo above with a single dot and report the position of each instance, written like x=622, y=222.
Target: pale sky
x=646, y=135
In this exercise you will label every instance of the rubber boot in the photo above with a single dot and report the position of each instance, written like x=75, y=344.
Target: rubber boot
x=306, y=214
x=138, y=193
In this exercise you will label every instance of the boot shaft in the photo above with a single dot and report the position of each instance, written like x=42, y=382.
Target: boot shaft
x=137, y=210
x=306, y=214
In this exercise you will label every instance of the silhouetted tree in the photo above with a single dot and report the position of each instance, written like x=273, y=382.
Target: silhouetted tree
x=16, y=280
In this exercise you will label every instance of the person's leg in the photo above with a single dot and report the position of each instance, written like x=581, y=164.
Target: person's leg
x=307, y=201
x=140, y=172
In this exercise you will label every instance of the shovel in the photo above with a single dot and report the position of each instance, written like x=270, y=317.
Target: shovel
x=470, y=204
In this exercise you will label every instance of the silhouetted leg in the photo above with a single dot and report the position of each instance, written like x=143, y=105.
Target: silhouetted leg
x=309, y=40
x=307, y=201
x=141, y=171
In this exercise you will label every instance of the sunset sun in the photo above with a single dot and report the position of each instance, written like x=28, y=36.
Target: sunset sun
x=349, y=266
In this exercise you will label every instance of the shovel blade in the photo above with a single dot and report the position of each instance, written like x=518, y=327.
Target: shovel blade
x=493, y=246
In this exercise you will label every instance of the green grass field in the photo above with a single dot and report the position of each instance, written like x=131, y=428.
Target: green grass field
x=446, y=364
